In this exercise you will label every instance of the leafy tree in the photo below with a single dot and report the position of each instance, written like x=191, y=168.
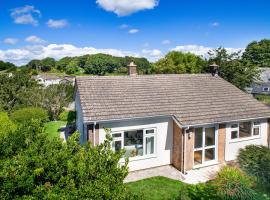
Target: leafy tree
x=25, y=115
x=41, y=168
x=14, y=89
x=258, y=53
x=7, y=66
x=232, y=68
x=63, y=63
x=47, y=64
x=179, y=63
x=34, y=64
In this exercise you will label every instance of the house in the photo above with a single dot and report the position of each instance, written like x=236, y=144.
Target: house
x=185, y=120
x=262, y=86
x=51, y=79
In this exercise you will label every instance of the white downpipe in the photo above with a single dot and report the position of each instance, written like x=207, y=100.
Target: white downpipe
x=184, y=152
x=94, y=134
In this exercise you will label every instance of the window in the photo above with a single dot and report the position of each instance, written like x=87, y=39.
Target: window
x=245, y=130
x=266, y=89
x=204, y=145
x=135, y=142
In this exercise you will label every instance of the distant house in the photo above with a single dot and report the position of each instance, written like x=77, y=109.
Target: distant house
x=185, y=120
x=262, y=86
x=51, y=79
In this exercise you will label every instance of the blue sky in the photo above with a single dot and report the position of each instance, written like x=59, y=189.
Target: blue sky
x=39, y=28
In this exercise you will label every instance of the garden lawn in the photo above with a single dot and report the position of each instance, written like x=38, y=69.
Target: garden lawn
x=52, y=128
x=156, y=188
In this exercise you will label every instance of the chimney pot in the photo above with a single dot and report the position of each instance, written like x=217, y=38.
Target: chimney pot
x=214, y=69
x=132, y=69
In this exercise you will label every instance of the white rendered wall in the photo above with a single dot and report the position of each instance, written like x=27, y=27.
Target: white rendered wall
x=164, y=140
x=233, y=146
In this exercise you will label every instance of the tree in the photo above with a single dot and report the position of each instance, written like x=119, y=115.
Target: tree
x=258, y=53
x=7, y=66
x=47, y=64
x=233, y=68
x=179, y=63
x=41, y=168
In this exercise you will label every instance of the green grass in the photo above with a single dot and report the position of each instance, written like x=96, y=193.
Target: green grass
x=156, y=188
x=52, y=128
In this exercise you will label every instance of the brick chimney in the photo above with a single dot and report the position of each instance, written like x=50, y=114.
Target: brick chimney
x=132, y=69
x=214, y=69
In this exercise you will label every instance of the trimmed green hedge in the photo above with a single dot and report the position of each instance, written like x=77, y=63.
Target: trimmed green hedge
x=68, y=116
x=25, y=115
x=255, y=161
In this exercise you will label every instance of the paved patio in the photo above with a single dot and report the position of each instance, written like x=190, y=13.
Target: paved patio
x=192, y=177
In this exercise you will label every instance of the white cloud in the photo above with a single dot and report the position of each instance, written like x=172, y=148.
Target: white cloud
x=166, y=42
x=133, y=31
x=11, y=41
x=124, y=26
x=25, y=54
x=153, y=54
x=25, y=15
x=126, y=7
x=215, y=24
x=34, y=39
x=201, y=50
x=61, y=23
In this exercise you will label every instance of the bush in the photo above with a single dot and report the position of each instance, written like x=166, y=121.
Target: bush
x=231, y=183
x=25, y=115
x=6, y=125
x=255, y=161
x=69, y=116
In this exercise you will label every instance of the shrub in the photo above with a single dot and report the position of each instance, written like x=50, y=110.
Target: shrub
x=6, y=125
x=255, y=161
x=231, y=183
x=25, y=115
x=68, y=116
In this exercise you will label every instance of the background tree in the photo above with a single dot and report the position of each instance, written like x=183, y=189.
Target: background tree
x=47, y=64
x=258, y=53
x=233, y=68
x=7, y=66
x=179, y=63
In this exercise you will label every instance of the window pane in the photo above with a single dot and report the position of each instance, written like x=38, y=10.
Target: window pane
x=133, y=143
x=197, y=157
x=257, y=123
x=209, y=154
x=256, y=131
x=210, y=136
x=115, y=135
x=244, y=129
x=234, y=134
x=198, y=137
x=150, y=131
x=116, y=145
x=234, y=126
x=149, y=145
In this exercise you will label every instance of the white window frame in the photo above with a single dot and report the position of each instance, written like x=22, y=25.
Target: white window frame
x=203, y=148
x=144, y=141
x=267, y=89
x=252, y=131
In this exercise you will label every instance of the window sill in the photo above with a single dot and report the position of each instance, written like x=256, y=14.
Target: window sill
x=244, y=139
x=122, y=160
x=206, y=164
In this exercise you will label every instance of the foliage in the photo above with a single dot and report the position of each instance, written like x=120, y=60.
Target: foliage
x=233, y=68
x=97, y=64
x=263, y=98
x=41, y=168
x=6, y=125
x=24, y=115
x=68, y=115
x=258, y=53
x=255, y=161
x=231, y=183
x=7, y=66
x=14, y=89
x=179, y=63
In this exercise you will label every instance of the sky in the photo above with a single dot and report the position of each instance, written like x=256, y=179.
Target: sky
x=35, y=29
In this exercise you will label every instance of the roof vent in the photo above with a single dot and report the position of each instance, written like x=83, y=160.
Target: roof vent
x=214, y=69
x=132, y=69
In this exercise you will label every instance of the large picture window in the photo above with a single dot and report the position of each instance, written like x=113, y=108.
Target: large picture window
x=245, y=129
x=204, y=145
x=136, y=143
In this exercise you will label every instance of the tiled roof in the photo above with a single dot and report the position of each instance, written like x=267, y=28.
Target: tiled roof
x=193, y=99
